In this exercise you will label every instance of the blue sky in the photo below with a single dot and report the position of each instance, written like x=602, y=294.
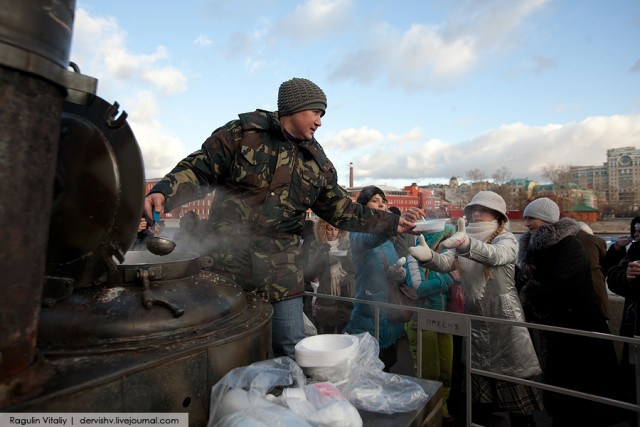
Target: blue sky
x=418, y=91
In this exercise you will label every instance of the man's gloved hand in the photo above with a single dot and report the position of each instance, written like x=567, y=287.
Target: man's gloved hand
x=396, y=272
x=460, y=241
x=422, y=252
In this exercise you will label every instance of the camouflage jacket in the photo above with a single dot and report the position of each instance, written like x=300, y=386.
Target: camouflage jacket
x=264, y=183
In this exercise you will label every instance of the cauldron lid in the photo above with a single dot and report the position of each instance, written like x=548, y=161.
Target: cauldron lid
x=98, y=193
x=139, y=258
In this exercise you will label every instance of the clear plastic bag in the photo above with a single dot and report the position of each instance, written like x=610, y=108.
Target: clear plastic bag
x=241, y=397
x=238, y=399
x=371, y=389
x=331, y=408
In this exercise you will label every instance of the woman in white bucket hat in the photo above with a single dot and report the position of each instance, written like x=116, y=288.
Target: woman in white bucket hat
x=485, y=254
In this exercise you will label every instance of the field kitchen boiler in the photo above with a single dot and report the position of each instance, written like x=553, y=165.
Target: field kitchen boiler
x=85, y=324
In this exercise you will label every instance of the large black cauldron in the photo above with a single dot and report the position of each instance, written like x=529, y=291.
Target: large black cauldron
x=127, y=331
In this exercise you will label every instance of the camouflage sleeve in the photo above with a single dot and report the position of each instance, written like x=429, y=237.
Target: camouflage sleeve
x=336, y=207
x=197, y=174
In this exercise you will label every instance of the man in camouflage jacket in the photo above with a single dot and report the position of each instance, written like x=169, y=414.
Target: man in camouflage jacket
x=267, y=169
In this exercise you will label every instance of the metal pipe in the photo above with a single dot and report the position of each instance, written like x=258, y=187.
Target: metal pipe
x=35, y=39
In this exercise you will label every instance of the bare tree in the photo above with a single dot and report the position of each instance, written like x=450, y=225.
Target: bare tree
x=476, y=175
x=478, y=180
x=560, y=176
x=557, y=174
x=501, y=176
x=500, y=185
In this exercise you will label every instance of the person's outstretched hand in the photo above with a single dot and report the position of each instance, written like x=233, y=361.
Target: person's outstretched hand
x=421, y=252
x=406, y=223
x=459, y=241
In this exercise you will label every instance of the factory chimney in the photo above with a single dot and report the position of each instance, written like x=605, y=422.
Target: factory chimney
x=350, y=174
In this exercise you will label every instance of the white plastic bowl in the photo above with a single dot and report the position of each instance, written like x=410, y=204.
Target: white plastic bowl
x=430, y=225
x=325, y=350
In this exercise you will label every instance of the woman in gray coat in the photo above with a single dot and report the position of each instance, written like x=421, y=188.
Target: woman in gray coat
x=485, y=254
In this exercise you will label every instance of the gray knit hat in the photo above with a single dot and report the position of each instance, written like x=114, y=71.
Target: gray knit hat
x=299, y=95
x=490, y=200
x=543, y=209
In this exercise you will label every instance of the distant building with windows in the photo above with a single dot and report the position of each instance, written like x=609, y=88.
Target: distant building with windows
x=618, y=179
x=200, y=207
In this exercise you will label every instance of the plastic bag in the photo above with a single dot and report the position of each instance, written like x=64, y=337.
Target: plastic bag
x=379, y=391
x=322, y=405
x=309, y=328
x=238, y=399
x=371, y=389
x=241, y=399
x=366, y=354
x=331, y=407
x=240, y=408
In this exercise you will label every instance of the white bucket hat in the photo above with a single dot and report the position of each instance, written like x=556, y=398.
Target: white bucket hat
x=490, y=200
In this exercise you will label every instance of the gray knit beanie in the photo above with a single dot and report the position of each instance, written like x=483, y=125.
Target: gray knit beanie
x=490, y=200
x=299, y=95
x=543, y=209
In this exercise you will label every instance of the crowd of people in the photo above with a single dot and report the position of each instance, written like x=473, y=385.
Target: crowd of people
x=268, y=170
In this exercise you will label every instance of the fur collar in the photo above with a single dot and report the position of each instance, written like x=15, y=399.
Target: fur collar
x=547, y=235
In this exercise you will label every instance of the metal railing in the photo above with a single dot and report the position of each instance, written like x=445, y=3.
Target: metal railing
x=460, y=324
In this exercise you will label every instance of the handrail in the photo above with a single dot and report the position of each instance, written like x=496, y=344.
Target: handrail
x=464, y=322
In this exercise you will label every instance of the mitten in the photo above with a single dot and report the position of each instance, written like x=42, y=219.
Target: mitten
x=422, y=252
x=460, y=241
x=396, y=272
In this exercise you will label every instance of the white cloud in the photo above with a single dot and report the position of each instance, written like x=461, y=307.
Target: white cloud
x=314, y=19
x=437, y=56
x=168, y=79
x=523, y=149
x=101, y=45
x=414, y=134
x=159, y=150
x=202, y=41
x=100, y=50
x=350, y=139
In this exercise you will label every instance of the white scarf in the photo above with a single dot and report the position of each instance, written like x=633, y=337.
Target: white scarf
x=482, y=230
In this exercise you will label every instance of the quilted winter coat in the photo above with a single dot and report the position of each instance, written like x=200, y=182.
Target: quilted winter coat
x=503, y=349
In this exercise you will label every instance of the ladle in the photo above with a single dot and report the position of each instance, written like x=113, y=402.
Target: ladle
x=159, y=245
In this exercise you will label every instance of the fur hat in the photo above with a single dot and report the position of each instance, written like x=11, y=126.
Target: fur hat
x=490, y=200
x=543, y=209
x=367, y=194
x=299, y=95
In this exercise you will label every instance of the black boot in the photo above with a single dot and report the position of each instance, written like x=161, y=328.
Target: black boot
x=521, y=420
x=481, y=413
